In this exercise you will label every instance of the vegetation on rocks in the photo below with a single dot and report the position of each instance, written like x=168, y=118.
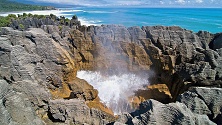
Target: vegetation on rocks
x=21, y=19
x=5, y=21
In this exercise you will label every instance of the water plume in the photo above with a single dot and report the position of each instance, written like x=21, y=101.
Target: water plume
x=114, y=91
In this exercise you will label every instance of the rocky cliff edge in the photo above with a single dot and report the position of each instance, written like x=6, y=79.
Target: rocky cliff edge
x=39, y=85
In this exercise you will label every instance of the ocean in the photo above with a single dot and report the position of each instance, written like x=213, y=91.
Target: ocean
x=195, y=19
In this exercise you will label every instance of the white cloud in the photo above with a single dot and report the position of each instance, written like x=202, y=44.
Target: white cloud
x=199, y=1
x=74, y=2
x=131, y=2
x=170, y=2
x=161, y=2
x=177, y=3
x=180, y=1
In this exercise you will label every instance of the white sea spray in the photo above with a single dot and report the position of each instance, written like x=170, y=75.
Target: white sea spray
x=114, y=91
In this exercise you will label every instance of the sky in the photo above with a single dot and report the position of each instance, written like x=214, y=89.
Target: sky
x=149, y=3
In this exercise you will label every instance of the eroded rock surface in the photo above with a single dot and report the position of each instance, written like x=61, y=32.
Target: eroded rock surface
x=198, y=105
x=205, y=101
x=153, y=112
x=38, y=67
x=75, y=111
x=38, y=73
x=179, y=57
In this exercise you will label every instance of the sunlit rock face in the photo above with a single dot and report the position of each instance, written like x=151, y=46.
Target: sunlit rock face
x=177, y=57
x=38, y=69
x=38, y=81
x=115, y=90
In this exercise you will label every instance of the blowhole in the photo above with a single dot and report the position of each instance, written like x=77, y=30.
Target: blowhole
x=115, y=91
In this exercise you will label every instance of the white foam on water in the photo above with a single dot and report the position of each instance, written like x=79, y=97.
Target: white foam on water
x=89, y=22
x=42, y=12
x=105, y=12
x=114, y=91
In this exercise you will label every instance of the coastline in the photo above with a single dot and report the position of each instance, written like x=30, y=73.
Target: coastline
x=39, y=12
x=57, y=12
x=140, y=17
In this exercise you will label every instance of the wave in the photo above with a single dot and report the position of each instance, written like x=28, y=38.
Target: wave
x=114, y=90
x=87, y=22
x=69, y=10
x=41, y=12
x=100, y=11
x=218, y=25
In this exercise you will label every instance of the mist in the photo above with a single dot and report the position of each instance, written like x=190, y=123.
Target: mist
x=114, y=90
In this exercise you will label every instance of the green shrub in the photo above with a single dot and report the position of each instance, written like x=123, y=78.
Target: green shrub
x=19, y=16
x=21, y=26
x=39, y=16
x=60, y=28
x=25, y=15
x=67, y=20
x=30, y=15
x=35, y=16
x=12, y=16
x=4, y=21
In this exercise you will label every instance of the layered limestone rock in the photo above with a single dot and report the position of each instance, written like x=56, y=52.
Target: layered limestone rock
x=113, y=48
x=153, y=112
x=204, y=101
x=39, y=85
x=75, y=111
x=216, y=42
x=158, y=92
x=199, y=105
x=183, y=57
x=179, y=57
x=37, y=68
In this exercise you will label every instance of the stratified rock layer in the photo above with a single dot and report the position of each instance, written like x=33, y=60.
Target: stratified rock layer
x=178, y=57
x=38, y=73
x=153, y=112
x=204, y=101
x=36, y=70
x=75, y=110
x=194, y=107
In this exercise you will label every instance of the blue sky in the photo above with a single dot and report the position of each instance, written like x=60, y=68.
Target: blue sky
x=149, y=3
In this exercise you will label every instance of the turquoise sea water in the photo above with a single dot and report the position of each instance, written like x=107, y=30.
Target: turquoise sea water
x=195, y=19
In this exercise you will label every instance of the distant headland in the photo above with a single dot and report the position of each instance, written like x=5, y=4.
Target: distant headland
x=9, y=6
